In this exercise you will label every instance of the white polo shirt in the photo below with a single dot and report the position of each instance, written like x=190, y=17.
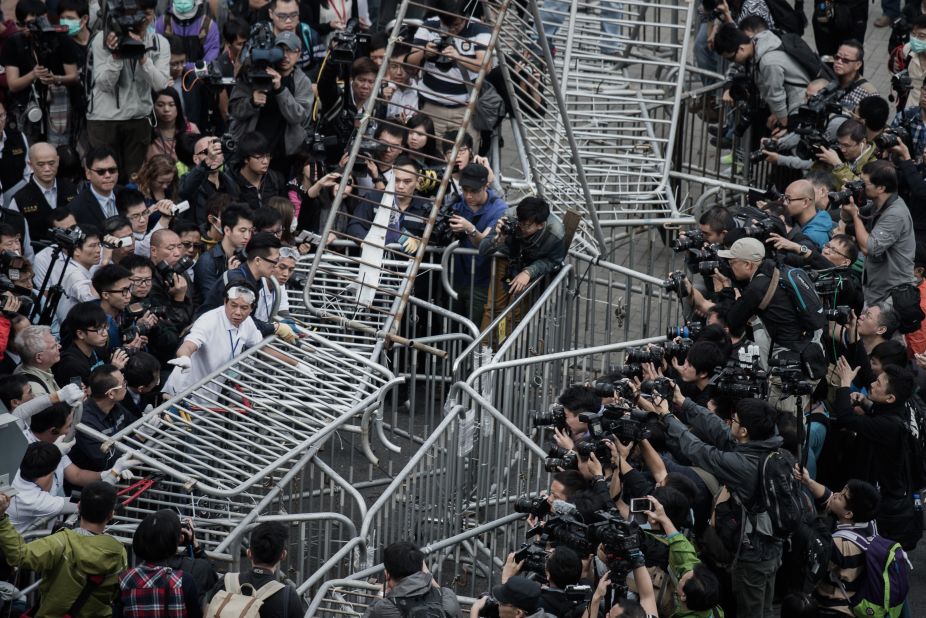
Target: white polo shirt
x=218, y=342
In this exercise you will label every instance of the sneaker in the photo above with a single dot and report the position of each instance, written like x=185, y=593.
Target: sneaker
x=727, y=159
x=883, y=22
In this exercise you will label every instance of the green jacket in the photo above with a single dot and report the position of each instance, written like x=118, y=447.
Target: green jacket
x=682, y=558
x=63, y=559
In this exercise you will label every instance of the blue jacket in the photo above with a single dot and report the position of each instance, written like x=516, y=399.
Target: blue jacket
x=485, y=219
x=819, y=229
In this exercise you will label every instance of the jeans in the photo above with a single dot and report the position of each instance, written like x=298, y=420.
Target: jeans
x=817, y=437
x=754, y=587
x=705, y=58
x=891, y=8
x=554, y=12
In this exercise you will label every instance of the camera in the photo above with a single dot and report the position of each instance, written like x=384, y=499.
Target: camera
x=692, y=239
x=67, y=238
x=442, y=62
x=344, y=43
x=757, y=156
x=599, y=448
x=659, y=387
x=442, y=235
x=555, y=417
x=890, y=138
x=854, y=190
x=179, y=207
x=46, y=39
x=534, y=558
x=210, y=74
x=120, y=243
x=739, y=382
x=127, y=334
x=761, y=228
x=675, y=282
x=838, y=314
x=489, y=608
x=621, y=422
x=8, y=288
x=509, y=227
x=124, y=17
x=559, y=458
x=229, y=143
x=617, y=536
x=687, y=331
x=317, y=144
x=652, y=354
x=787, y=368
x=902, y=84
x=623, y=388
x=167, y=272
x=538, y=506
x=262, y=54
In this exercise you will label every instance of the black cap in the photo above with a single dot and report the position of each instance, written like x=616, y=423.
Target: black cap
x=474, y=176
x=519, y=591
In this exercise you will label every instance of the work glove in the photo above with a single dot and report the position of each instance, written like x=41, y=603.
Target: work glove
x=181, y=361
x=120, y=470
x=71, y=394
x=284, y=332
x=64, y=445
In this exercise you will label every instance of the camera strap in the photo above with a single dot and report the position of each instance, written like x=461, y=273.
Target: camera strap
x=770, y=292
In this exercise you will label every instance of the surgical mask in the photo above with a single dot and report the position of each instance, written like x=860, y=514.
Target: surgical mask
x=917, y=46
x=183, y=6
x=73, y=26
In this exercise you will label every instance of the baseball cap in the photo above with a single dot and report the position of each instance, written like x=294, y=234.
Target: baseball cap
x=746, y=249
x=474, y=176
x=520, y=592
x=289, y=39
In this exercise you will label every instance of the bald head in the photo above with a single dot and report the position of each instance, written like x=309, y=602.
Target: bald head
x=799, y=200
x=43, y=158
x=210, y=148
x=165, y=246
x=816, y=86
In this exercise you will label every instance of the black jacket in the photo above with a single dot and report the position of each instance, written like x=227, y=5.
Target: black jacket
x=196, y=188
x=780, y=317
x=880, y=431
x=272, y=185
x=87, y=209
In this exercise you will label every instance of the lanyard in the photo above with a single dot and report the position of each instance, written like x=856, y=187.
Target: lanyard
x=342, y=14
x=233, y=343
x=268, y=304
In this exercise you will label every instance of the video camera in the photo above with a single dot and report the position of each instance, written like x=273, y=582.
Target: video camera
x=832, y=284
x=788, y=369
x=345, y=43
x=210, y=74
x=262, y=55
x=46, y=39
x=8, y=288
x=122, y=18
x=67, y=238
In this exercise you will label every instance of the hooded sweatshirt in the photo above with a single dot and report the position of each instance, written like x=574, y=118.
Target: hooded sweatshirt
x=64, y=559
x=782, y=82
x=414, y=585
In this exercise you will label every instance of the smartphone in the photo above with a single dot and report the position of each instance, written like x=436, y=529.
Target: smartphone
x=640, y=505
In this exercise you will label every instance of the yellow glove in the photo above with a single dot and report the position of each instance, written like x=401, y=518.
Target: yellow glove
x=411, y=245
x=285, y=333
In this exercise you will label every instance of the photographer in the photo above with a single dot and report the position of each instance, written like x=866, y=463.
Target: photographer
x=563, y=568
x=518, y=597
x=112, y=284
x=475, y=213
x=206, y=178
x=881, y=457
x=454, y=50
x=780, y=80
x=800, y=205
x=886, y=238
x=755, y=274
x=912, y=186
x=535, y=249
x=695, y=374
x=854, y=152
x=802, y=140
x=733, y=454
x=121, y=87
x=698, y=589
x=40, y=65
x=406, y=578
x=280, y=113
x=76, y=284
x=847, y=65
x=338, y=105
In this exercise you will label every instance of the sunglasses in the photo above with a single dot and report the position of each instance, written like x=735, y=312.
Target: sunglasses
x=105, y=171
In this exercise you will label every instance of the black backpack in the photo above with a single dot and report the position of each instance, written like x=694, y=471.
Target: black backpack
x=779, y=494
x=788, y=19
x=800, y=288
x=915, y=436
x=427, y=605
x=905, y=299
x=809, y=60
x=806, y=558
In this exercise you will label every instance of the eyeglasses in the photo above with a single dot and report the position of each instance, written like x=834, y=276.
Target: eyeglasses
x=829, y=246
x=274, y=262
x=844, y=59
x=124, y=291
x=141, y=282
x=105, y=171
x=97, y=330
x=788, y=199
x=117, y=388
x=189, y=244
x=286, y=16
x=138, y=216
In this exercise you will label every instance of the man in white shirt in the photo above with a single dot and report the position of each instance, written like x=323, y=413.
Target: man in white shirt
x=42, y=194
x=76, y=283
x=218, y=336
x=61, y=218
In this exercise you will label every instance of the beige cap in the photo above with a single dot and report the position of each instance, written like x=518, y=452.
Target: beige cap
x=746, y=249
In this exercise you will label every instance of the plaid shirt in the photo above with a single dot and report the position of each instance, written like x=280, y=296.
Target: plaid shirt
x=912, y=119
x=152, y=591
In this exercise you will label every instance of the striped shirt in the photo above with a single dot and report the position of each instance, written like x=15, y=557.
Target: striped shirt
x=448, y=89
x=847, y=564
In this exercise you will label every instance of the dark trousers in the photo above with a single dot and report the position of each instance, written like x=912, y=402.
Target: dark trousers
x=129, y=139
x=754, y=587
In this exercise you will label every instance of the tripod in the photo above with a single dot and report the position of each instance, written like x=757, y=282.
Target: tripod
x=42, y=313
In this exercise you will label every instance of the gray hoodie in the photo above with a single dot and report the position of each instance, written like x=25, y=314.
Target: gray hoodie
x=782, y=82
x=414, y=585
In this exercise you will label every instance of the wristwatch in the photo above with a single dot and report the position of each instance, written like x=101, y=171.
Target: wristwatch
x=804, y=251
x=380, y=179
x=472, y=232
